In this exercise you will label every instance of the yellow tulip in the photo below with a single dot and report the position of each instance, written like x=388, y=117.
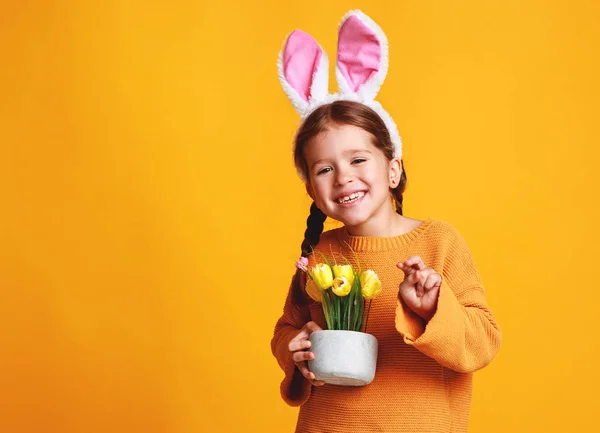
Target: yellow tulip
x=370, y=284
x=341, y=286
x=313, y=290
x=322, y=275
x=344, y=271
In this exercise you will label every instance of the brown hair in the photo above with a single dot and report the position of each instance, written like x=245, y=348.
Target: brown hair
x=341, y=113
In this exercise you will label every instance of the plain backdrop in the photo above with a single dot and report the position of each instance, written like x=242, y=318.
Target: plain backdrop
x=151, y=214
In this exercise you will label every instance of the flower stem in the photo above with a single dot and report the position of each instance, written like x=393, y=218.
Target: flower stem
x=326, y=308
x=368, y=311
x=349, y=308
x=337, y=313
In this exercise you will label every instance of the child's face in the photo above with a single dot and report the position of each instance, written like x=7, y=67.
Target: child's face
x=349, y=178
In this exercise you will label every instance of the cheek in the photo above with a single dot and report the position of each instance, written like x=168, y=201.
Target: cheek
x=319, y=190
x=379, y=179
x=323, y=193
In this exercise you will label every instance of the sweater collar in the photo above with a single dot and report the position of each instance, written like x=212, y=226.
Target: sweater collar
x=377, y=243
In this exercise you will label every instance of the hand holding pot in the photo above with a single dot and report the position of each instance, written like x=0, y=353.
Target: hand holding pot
x=300, y=355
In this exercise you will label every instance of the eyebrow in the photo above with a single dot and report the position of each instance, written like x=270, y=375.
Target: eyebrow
x=345, y=153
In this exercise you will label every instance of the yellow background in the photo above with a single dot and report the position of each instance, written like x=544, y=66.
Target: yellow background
x=151, y=214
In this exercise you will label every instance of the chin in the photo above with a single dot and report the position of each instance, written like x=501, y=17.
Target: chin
x=353, y=222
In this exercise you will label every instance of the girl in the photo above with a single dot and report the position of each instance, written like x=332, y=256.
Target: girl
x=431, y=319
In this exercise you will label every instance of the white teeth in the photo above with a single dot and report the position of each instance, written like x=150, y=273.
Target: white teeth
x=352, y=197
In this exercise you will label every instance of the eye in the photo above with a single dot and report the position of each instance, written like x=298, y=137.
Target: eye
x=324, y=170
x=358, y=160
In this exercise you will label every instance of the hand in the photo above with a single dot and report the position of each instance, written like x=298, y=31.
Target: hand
x=300, y=356
x=420, y=288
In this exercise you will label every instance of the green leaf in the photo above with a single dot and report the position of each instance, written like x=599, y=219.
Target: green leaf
x=325, y=305
x=368, y=311
x=349, y=308
x=337, y=312
x=330, y=310
x=359, y=307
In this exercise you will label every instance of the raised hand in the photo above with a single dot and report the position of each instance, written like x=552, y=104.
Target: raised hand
x=420, y=288
x=300, y=355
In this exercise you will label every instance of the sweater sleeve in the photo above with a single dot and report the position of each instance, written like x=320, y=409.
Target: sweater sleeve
x=463, y=334
x=295, y=388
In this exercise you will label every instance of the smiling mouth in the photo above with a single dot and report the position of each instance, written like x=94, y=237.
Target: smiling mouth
x=351, y=198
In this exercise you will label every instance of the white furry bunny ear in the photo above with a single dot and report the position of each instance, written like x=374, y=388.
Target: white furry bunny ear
x=362, y=64
x=303, y=70
x=362, y=57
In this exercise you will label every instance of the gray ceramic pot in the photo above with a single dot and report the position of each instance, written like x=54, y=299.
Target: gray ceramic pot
x=343, y=357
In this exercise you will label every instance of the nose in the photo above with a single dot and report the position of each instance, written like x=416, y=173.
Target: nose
x=343, y=176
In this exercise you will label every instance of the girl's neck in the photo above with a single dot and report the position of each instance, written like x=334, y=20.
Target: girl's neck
x=386, y=225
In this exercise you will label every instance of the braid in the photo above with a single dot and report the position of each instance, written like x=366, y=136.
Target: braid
x=314, y=228
x=399, y=190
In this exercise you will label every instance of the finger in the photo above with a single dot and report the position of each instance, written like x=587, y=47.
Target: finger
x=406, y=269
x=296, y=345
x=303, y=367
x=432, y=280
x=313, y=379
x=423, y=275
x=413, y=278
x=309, y=374
x=302, y=335
x=410, y=283
x=419, y=285
x=312, y=327
x=302, y=356
x=306, y=331
x=415, y=262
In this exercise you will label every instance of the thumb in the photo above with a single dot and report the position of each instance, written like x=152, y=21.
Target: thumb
x=306, y=331
x=312, y=326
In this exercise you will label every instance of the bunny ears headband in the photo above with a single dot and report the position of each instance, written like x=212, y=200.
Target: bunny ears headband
x=362, y=63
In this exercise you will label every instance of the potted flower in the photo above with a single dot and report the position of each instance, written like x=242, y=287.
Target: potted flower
x=345, y=354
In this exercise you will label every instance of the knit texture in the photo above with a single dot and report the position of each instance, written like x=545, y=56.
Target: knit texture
x=423, y=381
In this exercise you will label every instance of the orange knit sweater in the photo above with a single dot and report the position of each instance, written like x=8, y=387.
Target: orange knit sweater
x=424, y=371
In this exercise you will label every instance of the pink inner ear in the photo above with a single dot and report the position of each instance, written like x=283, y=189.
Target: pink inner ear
x=301, y=58
x=359, y=52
